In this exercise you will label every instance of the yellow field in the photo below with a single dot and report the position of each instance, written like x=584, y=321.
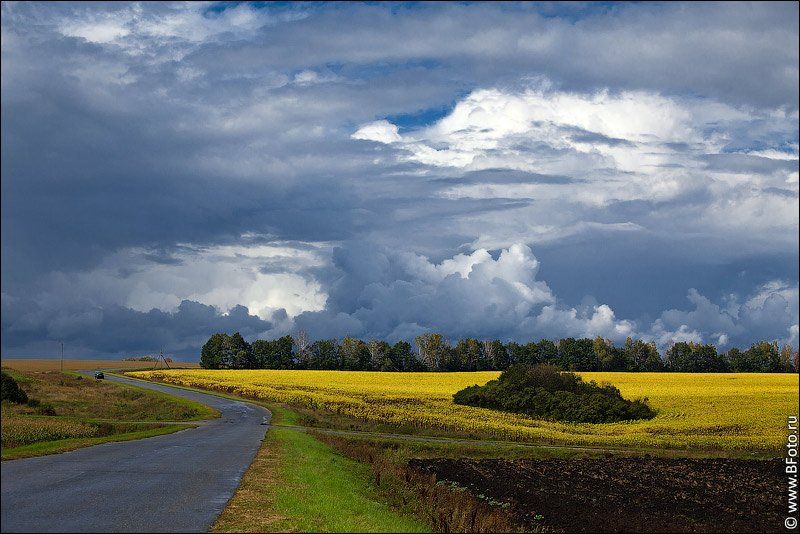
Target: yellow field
x=708, y=411
x=43, y=364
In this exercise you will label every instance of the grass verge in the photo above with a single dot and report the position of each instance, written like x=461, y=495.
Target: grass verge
x=298, y=483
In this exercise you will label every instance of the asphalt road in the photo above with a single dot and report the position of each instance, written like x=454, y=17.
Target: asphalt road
x=179, y=482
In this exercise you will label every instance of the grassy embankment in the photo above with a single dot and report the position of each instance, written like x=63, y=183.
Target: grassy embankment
x=299, y=483
x=67, y=411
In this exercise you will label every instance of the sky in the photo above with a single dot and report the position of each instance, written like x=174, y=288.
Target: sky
x=509, y=171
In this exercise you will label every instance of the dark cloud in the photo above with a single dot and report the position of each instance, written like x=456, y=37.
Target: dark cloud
x=139, y=142
x=31, y=330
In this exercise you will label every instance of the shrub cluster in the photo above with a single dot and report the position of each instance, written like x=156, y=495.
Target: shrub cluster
x=11, y=390
x=543, y=392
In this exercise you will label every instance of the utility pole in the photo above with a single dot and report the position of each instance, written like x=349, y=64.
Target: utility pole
x=62, y=356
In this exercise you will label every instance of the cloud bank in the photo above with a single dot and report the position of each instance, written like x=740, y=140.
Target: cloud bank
x=510, y=171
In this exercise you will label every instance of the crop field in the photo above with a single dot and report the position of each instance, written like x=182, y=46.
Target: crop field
x=737, y=412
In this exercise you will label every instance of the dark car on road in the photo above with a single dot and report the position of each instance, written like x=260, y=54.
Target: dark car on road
x=99, y=375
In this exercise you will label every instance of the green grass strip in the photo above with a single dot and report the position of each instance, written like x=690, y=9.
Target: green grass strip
x=297, y=483
x=327, y=492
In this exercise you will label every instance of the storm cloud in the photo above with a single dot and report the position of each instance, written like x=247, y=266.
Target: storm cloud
x=513, y=171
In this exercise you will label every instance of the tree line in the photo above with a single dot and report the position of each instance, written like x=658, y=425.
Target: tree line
x=433, y=352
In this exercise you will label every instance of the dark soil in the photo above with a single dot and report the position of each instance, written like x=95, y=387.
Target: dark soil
x=617, y=494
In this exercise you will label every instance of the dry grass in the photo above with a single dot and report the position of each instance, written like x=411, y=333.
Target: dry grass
x=26, y=430
x=42, y=364
x=67, y=411
x=252, y=507
x=77, y=396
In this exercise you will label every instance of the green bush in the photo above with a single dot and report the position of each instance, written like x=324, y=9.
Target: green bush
x=544, y=392
x=10, y=390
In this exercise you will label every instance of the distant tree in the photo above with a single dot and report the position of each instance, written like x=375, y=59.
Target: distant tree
x=789, y=359
x=516, y=353
x=434, y=353
x=354, y=354
x=302, y=351
x=467, y=356
x=239, y=352
x=213, y=355
x=690, y=357
x=380, y=357
x=652, y=360
x=274, y=353
x=736, y=360
x=495, y=354
x=641, y=356
x=404, y=357
x=545, y=351
x=283, y=352
x=577, y=355
x=679, y=358
x=609, y=357
x=433, y=350
x=763, y=357
x=324, y=354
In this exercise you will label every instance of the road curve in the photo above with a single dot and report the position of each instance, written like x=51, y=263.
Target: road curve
x=178, y=482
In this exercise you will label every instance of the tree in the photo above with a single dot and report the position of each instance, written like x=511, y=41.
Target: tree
x=788, y=359
x=380, y=356
x=212, y=355
x=679, y=357
x=433, y=350
x=239, y=352
x=690, y=357
x=577, y=354
x=710, y=359
x=302, y=353
x=641, y=356
x=736, y=360
x=354, y=354
x=273, y=354
x=764, y=357
x=283, y=352
x=652, y=361
x=467, y=356
x=325, y=354
x=609, y=357
x=405, y=359
x=495, y=354
x=545, y=351
x=516, y=353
